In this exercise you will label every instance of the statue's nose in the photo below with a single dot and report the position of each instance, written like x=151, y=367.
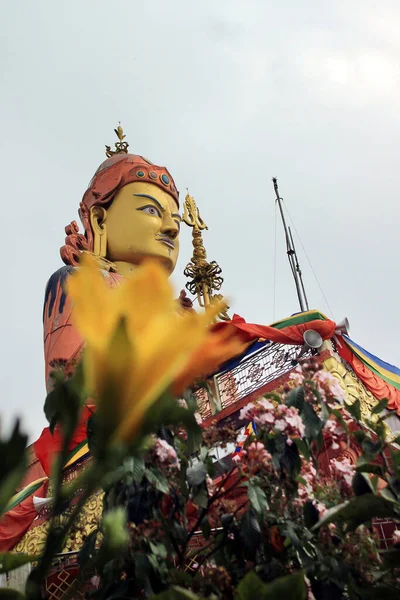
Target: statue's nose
x=170, y=227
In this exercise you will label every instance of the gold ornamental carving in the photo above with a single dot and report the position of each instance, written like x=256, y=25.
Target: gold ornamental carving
x=121, y=147
x=354, y=390
x=87, y=521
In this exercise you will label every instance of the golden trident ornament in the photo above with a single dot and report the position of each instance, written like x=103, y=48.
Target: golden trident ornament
x=204, y=276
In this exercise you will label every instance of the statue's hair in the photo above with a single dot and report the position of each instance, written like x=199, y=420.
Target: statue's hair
x=76, y=242
x=110, y=177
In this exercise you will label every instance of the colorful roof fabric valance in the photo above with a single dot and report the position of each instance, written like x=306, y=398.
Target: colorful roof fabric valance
x=379, y=377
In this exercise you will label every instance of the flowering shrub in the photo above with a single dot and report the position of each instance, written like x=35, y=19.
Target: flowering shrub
x=290, y=517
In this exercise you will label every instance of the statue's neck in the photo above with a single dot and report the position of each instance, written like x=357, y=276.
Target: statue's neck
x=125, y=269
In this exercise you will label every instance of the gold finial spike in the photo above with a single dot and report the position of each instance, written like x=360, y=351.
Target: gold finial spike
x=204, y=277
x=121, y=147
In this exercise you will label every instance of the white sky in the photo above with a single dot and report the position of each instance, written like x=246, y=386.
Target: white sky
x=226, y=94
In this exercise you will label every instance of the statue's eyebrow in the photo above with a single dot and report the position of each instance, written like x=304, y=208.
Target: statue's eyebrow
x=151, y=198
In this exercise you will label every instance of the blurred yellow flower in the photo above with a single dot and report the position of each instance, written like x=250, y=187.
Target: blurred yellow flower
x=138, y=345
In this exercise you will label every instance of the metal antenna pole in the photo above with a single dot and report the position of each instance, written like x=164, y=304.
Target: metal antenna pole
x=290, y=251
x=299, y=271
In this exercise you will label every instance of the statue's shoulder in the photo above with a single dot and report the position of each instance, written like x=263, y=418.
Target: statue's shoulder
x=55, y=295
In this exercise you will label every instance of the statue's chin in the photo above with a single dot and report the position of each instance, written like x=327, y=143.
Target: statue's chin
x=123, y=265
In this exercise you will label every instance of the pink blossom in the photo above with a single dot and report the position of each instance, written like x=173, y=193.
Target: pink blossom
x=210, y=485
x=321, y=508
x=266, y=404
x=297, y=377
x=247, y=412
x=264, y=418
x=166, y=453
x=280, y=425
x=333, y=427
x=396, y=536
x=344, y=467
x=294, y=419
x=256, y=451
x=329, y=386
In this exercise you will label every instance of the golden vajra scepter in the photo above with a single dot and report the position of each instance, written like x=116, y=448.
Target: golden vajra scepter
x=205, y=277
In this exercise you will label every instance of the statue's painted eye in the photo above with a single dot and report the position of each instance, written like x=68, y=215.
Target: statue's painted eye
x=151, y=210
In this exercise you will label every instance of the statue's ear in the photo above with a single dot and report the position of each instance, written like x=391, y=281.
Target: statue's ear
x=97, y=217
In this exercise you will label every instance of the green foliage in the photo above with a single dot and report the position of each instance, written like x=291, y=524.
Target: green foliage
x=291, y=587
x=257, y=498
x=358, y=510
x=12, y=464
x=258, y=531
x=10, y=561
x=10, y=594
x=196, y=474
x=177, y=593
x=311, y=514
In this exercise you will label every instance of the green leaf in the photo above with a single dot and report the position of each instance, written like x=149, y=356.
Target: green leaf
x=9, y=594
x=63, y=403
x=12, y=465
x=291, y=460
x=303, y=448
x=10, y=561
x=200, y=498
x=359, y=435
x=250, y=533
x=177, y=593
x=115, y=532
x=206, y=528
x=196, y=474
x=364, y=466
x=88, y=550
x=311, y=514
x=158, y=479
x=382, y=404
x=166, y=411
x=296, y=398
x=360, y=484
x=137, y=468
x=290, y=587
x=391, y=559
x=312, y=422
x=158, y=550
x=357, y=511
x=257, y=498
x=354, y=409
x=371, y=448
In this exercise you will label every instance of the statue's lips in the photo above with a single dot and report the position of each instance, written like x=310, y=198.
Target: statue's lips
x=167, y=241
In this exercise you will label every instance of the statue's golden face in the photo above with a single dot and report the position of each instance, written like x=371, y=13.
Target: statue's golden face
x=143, y=221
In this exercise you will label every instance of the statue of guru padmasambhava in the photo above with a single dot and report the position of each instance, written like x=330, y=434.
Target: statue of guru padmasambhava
x=130, y=211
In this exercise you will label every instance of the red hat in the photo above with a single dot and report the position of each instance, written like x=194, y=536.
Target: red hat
x=121, y=169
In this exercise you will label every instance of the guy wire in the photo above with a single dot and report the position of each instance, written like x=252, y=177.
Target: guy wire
x=309, y=262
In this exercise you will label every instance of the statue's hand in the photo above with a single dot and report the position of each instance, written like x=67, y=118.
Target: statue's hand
x=185, y=302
